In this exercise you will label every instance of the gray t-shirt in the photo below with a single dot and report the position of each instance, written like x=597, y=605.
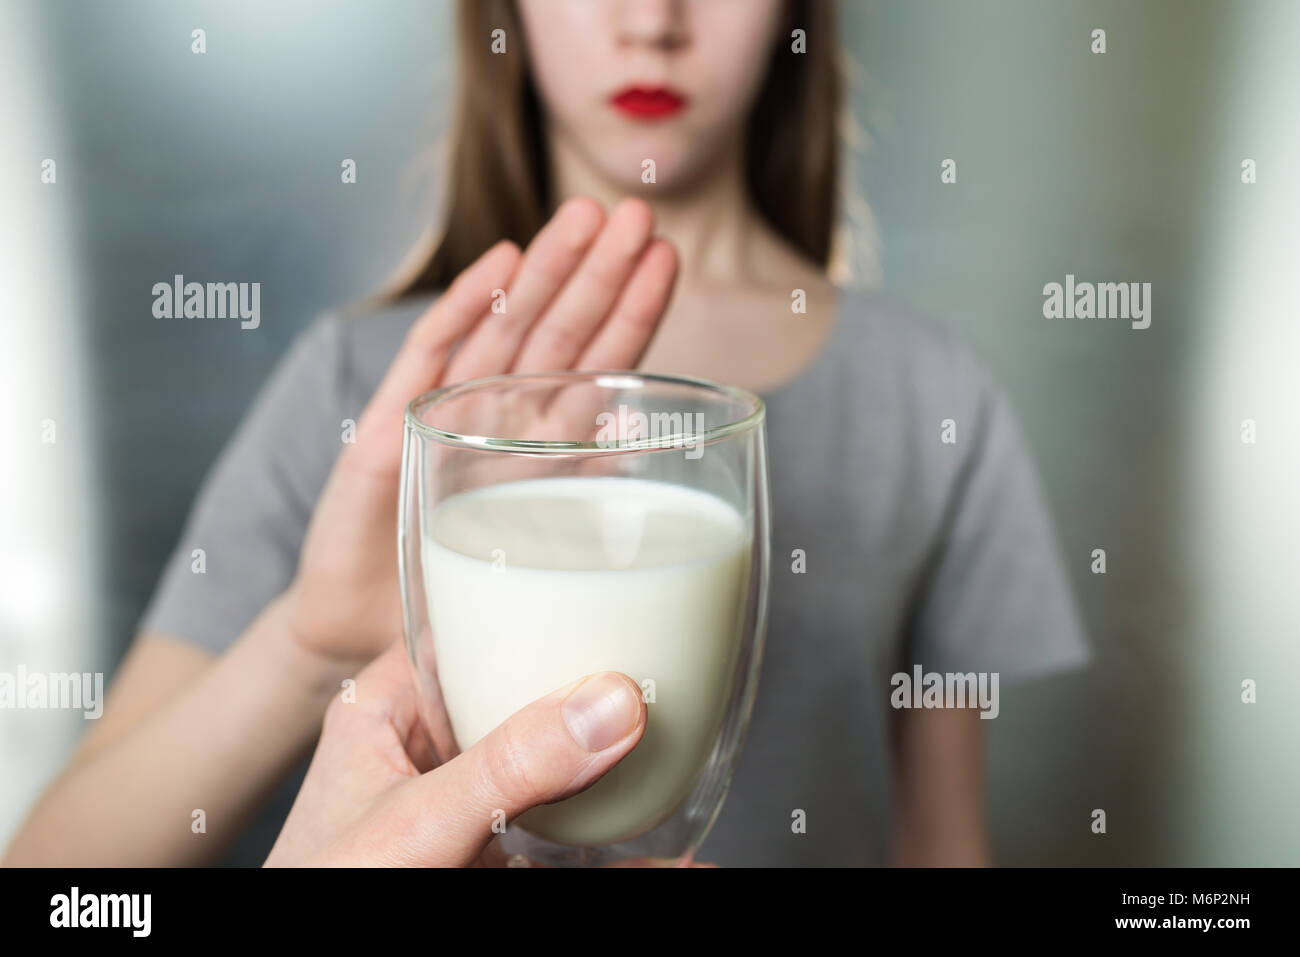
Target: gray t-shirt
x=916, y=551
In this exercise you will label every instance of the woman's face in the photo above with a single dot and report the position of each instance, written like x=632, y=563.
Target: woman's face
x=625, y=81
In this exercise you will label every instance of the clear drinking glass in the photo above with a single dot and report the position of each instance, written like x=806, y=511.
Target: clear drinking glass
x=556, y=525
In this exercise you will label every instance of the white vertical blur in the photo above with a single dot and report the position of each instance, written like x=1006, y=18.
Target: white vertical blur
x=1242, y=777
x=48, y=603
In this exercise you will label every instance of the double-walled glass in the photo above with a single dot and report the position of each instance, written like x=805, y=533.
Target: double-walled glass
x=553, y=526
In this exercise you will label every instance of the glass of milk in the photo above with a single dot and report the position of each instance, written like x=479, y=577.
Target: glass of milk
x=556, y=525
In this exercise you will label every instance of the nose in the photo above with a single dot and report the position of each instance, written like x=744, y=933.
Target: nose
x=654, y=23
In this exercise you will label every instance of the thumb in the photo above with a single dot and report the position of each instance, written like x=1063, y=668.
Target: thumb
x=550, y=750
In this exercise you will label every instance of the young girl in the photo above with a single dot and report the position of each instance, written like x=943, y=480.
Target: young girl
x=908, y=525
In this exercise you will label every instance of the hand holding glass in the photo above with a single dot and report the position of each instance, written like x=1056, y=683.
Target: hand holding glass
x=557, y=525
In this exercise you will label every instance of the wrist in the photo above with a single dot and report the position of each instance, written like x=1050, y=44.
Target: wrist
x=319, y=674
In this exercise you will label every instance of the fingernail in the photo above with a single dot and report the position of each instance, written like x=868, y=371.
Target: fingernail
x=601, y=712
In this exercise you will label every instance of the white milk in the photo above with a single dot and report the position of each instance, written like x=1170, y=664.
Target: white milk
x=533, y=584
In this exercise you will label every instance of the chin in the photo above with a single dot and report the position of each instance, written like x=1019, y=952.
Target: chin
x=674, y=168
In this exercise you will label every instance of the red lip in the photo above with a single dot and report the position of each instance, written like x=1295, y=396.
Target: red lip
x=648, y=102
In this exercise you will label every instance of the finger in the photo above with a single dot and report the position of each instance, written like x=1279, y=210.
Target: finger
x=438, y=740
x=384, y=685
x=361, y=755
x=423, y=356
x=547, y=751
x=659, y=862
x=547, y=265
x=385, y=693
x=625, y=334
x=619, y=343
x=573, y=317
x=494, y=856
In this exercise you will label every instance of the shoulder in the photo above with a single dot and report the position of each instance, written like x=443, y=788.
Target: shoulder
x=926, y=399
x=354, y=344
x=888, y=335
x=914, y=364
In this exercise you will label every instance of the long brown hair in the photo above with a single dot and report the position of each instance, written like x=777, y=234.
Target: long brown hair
x=499, y=181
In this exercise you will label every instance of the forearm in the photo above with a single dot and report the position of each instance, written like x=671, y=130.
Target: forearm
x=939, y=788
x=961, y=842
x=218, y=747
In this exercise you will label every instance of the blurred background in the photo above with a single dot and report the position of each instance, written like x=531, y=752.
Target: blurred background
x=1120, y=166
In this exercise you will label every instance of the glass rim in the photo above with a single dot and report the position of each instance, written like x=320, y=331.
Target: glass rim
x=677, y=440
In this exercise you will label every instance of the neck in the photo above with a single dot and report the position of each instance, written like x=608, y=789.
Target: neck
x=712, y=222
